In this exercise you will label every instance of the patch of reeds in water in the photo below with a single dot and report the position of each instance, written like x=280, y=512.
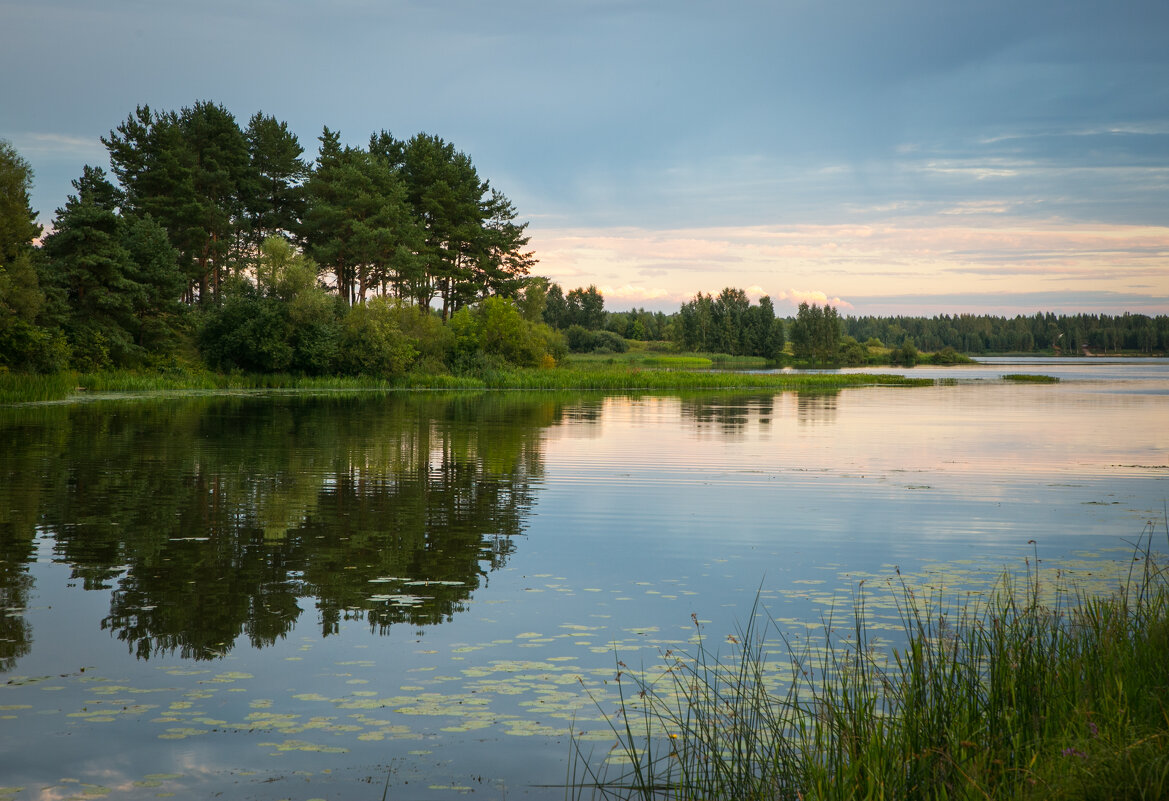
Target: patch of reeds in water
x=1038, y=691
x=1031, y=378
x=619, y=378
x=24, y=388
x=32, y=387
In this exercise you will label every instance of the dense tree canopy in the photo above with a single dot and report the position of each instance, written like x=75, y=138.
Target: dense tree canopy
x=25, y=343
x=729, y=324
x=18, y=221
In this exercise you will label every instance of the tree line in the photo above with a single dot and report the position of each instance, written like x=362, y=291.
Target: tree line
x=976, y=334
x=214, y=240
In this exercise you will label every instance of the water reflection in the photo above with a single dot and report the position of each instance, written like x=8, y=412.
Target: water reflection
x=816, y=408
x=208, y=519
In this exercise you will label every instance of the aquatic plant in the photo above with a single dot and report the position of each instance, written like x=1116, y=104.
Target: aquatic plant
x=25, y=387
x=1035, y=691
x=1031, y=378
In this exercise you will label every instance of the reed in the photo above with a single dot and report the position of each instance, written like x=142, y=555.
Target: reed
x=1031, y=378
x=32, y=387
x=19, y=387
x=620, y=378
x=1037, y=692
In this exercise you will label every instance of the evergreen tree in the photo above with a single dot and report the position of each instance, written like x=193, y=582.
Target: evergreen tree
x=191, y=171
x=555, y=308
x=275, y=200
x=25, y=344
x=91, y=266
x=357, y=223
x=18, y=222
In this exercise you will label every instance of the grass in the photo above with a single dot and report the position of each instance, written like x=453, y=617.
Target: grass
x=1031, y=378
x=1036, y=692
x=30, y=387
x=688, y=362
x=24, y=388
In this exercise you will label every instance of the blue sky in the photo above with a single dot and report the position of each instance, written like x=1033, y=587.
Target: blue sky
x=913, y=157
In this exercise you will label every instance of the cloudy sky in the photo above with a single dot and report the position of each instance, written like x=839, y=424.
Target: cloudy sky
x=908, y=156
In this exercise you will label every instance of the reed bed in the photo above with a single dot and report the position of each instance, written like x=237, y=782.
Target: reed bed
x=1036, y=692
x=1031, y=378
x=24, y=388
x=619, y=378
x=31, y=387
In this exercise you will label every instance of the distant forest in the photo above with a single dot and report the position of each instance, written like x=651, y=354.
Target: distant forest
x=218, y=245
x=973, y=334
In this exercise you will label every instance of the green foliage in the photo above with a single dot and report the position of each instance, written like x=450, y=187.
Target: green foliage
x=371, y=343
x=948, y=355
x=533, y=298
x=192, y=172
x=494, y=333
x=906, y=354
x=852, y=353
x=274, y=200
x=247, y=331
x=583, y=306
x=18, y=221
x=555, y=311
x=25, y=344
x=815, y=334
x=1031, y=378
x=358, y=222
x=1061, y=334
x=640, y=324
x=730, y=324
x=581, y=340
x=26, y=388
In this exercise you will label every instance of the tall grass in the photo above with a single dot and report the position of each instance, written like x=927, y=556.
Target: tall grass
x=19, y=387
x=620, y=378
x=1039, y=691
x=25, y=387
x=1031, y=378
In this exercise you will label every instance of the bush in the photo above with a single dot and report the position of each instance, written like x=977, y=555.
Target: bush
x=494, y=334
x=371, y=343
x=905, y=355
x=247, y=332
x=948, y=355
x=582, y=340
x=852, y=353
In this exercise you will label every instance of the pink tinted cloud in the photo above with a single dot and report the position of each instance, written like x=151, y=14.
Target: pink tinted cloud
x=975, y=252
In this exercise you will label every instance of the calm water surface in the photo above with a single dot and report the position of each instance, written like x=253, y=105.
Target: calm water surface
x=289, y=596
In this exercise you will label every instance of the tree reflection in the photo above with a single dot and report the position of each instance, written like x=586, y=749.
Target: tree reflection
x=208, y=519
x=731, y=414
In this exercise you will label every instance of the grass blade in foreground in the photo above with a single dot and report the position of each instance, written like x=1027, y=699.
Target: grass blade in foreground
x=1036, y=692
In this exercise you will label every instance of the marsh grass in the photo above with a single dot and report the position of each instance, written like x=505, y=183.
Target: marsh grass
x=28, y=387
x=25, y=388
x=624, y=378
x=688, y=362
x=1031, y=378
x=1035, y=691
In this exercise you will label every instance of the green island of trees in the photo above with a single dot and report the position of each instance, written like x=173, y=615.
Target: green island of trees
x=218, y=248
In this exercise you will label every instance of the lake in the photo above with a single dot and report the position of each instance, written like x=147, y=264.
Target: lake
x=289, y=595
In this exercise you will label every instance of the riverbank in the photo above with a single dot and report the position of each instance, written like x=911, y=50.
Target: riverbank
x=1036, y=691
x=25, y=388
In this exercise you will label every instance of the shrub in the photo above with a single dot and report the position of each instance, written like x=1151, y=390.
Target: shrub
x=493, y=333
x=371, y=343
x=905, y=355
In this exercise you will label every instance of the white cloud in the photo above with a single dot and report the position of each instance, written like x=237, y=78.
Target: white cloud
x=55, y=145
x=813, y=296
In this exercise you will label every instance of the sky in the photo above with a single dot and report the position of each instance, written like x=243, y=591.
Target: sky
x=912, y=157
